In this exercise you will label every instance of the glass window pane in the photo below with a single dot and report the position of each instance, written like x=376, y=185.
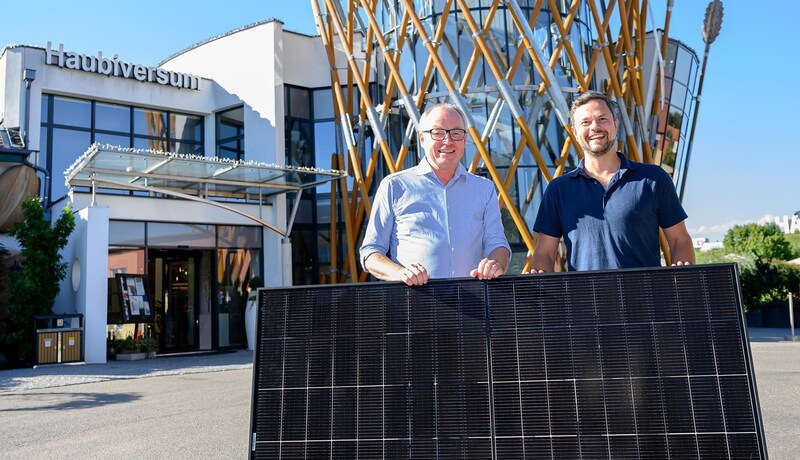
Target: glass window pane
x=113, y=139
x=323, y=104
x=672, y=139
x=324, y=253
x=237, y=268
x=230, y=134
x=230, y=123
x=121, y=261
x=227, y=131
x=232, y=150
x=150, y=122
x=303, y=252
x=297, y=141
x=678, y=97
x=45, y=108
x=239, y=237
x=323, y=203
x=188, y=148
x=299, y=103
x=669, y=60
x=43, y=133
x=112, y=117
x=304, y=210
x=683, y=66
x=125, y=261
x=324, y=144
x=180, y=235
x=72, y=112
x=152, y=144
x=123, y=233
x=187, y=127
x=68, y=145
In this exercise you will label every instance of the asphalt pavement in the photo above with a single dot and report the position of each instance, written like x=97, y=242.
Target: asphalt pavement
x=198, y=405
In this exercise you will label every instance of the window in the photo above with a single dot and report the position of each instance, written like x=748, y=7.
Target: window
x=69, y=126
x=149, y=123
x=123, y=233
x=72, y=112
x=115, y=118
x=298, y=143
x=172, y=235
x=67, y=146
x=238, y=237
x=230, y=134
x=186, y=127
x=299, y=103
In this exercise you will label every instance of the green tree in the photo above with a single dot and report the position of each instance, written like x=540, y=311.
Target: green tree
x=762, y=241
x=33, y=289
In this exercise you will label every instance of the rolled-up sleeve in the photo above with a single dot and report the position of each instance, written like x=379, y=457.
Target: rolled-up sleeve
x=377, y=237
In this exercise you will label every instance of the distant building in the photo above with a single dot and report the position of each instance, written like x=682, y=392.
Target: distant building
x=707, y=246
x=704, y=245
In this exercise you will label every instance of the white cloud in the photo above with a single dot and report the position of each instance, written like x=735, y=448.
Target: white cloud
x=718, y=231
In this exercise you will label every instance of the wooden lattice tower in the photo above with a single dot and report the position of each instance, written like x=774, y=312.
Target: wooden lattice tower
x=512, y=66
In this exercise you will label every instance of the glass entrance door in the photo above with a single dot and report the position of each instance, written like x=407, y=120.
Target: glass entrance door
x=176, y=299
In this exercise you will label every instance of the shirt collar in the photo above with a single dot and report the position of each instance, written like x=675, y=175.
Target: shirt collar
x=624, y=165
x=424, y=167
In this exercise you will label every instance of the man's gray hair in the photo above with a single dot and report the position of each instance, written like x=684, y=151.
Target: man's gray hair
x=423, y=120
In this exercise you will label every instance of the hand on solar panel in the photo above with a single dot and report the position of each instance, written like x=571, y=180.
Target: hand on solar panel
x=488, y=269
x=413, y=275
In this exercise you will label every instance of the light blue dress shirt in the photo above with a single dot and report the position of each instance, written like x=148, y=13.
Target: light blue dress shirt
x=448, y=229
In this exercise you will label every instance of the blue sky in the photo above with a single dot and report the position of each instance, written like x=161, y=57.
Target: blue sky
x=743, y=168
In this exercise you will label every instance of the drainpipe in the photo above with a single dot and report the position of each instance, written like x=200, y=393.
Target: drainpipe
x=28, y=76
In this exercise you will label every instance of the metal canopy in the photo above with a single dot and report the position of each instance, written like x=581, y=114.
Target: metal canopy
x=193, y=177
x=116, y=167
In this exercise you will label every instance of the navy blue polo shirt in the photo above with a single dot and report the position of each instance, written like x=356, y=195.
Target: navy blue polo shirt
x=612, y=227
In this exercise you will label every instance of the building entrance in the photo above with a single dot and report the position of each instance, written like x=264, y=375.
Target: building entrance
x=175, y=281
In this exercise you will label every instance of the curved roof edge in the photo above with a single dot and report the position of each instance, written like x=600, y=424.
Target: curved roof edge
x=680, y=42
x=231, y=32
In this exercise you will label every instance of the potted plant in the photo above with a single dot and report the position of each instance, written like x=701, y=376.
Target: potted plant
x=149, y=345
x=131, y=348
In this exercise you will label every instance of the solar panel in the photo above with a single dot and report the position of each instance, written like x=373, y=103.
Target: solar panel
x=645, y=363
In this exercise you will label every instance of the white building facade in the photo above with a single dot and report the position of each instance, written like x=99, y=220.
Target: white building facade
x=218, y=104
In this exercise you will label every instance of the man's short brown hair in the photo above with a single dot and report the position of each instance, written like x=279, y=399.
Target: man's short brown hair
x=584, y=99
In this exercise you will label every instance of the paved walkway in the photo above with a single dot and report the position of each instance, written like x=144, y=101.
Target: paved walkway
x=767, y=334
x=56, y=375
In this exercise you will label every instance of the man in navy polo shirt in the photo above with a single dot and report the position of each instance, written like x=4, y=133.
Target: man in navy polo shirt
x=609, y=209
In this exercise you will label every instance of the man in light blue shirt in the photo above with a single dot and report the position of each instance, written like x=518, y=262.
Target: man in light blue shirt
x=436, y=220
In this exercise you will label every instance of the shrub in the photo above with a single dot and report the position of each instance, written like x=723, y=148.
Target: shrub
x=33, y=289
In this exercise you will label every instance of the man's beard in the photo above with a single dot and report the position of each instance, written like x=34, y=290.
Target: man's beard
x=599, y=152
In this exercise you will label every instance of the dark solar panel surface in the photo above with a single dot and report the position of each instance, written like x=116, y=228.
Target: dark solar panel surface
x=614, y=364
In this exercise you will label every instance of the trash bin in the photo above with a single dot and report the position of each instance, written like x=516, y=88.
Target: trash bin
x=47, y=349
x=59, y=338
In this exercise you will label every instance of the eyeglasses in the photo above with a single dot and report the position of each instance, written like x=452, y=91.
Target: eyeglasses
x=455, y=134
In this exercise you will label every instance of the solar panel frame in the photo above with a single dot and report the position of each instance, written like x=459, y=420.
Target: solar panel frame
x=638, y=363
